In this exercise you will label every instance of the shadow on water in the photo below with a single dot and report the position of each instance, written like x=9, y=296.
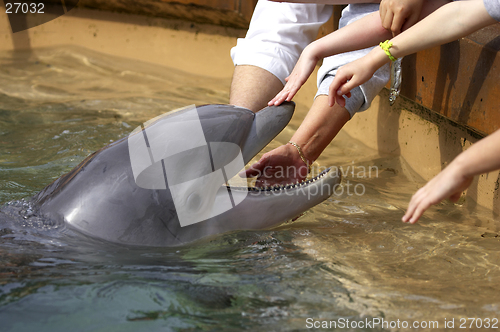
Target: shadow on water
x=348, y=258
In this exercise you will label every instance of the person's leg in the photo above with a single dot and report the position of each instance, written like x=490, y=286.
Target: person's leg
x=252, y=87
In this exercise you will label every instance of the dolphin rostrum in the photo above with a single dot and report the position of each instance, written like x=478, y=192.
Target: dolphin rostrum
x=168, y=184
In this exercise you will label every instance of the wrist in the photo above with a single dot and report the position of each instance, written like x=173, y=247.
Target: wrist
x=314, y=51
x=377, y=58
x=297, y=151
x=461, y=166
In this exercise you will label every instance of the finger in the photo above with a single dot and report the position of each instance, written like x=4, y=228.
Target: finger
x=334, y=87
x=397, y=23
x=347, y=84
x=336, y=84
x=418, y=204
x=252, y=171
x=272, y=101
x=421, y=208
x=345, y=90
x=291, y=93
x=340, y=100
x=415, y=199
x=408, y=213
x=280, y=97
x=382, y=11
x=331, y=100
x=387, y=22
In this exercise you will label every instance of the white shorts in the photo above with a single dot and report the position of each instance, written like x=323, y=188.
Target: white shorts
x=278, y=33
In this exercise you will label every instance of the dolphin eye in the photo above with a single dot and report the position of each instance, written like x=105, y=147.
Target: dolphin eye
x=194, y=202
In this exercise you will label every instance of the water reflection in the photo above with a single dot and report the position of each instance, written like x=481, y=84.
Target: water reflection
x=349, y=257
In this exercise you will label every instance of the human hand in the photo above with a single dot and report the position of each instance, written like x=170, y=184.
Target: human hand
x=450, y=183
x=399, y=15
x=347, y=78
x=300, y=73
x=279, y=166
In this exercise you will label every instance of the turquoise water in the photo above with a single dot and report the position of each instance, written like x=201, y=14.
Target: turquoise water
x=348, y=258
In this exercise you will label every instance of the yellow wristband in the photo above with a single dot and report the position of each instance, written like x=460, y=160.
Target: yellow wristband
x=386, y=46
x=304, y=159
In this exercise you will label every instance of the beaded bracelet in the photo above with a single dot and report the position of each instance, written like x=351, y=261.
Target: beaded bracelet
x=386, y=46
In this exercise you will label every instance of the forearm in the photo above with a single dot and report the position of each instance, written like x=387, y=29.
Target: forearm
x=320, y=126
x=363, y=33
x=482, y=157
x=454, y=20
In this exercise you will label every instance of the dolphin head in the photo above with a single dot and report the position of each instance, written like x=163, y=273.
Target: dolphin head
x=168, y=182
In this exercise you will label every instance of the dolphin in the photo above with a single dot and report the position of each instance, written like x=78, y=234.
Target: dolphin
x=168, y=183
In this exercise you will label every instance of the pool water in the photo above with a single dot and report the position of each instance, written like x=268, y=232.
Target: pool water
x=349, y=258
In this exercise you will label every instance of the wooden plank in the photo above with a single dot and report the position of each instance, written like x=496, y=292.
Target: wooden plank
x=460, y=80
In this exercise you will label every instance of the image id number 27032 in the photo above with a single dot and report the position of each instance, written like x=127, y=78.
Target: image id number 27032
x=24, y=8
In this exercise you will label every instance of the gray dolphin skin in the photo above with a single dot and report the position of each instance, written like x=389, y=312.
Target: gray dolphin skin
x=101, y=196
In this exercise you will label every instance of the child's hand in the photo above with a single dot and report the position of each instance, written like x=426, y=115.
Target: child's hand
x=347, y=78
x=450, y=183
x=300, y=73
x=398, y=15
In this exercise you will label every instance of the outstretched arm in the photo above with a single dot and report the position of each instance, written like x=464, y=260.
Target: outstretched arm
x=454, y=20
x=482, y=157
x=365, y=32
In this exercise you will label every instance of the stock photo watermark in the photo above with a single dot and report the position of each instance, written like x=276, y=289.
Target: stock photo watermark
x=381, y=323
x=24, y=15
x=281, y=175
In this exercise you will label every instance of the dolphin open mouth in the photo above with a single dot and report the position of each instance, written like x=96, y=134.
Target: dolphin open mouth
x=290, y=186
